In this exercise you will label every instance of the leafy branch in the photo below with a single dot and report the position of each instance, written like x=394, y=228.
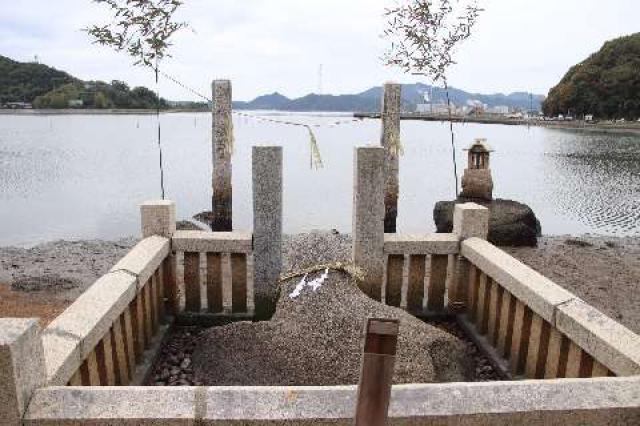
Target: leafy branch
x=424, y=35
x=142, y=28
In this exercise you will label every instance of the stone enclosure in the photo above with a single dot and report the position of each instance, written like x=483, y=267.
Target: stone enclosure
x=565, y=362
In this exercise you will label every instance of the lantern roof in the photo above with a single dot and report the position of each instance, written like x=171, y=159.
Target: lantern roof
x=479, y=145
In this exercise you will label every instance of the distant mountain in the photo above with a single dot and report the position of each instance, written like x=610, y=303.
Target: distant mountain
x=606, y=84
x=369, y=100
x=24, y=81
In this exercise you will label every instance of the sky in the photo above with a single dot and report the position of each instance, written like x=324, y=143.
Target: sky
x=279, y=45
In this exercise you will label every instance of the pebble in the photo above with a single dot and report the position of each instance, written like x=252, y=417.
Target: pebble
x=173, y=366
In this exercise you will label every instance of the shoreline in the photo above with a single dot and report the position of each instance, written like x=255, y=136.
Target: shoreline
x=604, y=271
x=627, y=128
x=79, y=111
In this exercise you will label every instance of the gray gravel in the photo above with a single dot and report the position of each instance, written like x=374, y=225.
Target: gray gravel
x=326, y=247
x=315, y=339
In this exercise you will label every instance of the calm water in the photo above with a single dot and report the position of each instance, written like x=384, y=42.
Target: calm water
x=83, y=176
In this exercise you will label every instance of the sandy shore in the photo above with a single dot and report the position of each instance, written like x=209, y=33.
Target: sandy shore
x=604, y=271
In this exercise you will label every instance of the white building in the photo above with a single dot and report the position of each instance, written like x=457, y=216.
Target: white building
x=500, y=109
x=439, y=108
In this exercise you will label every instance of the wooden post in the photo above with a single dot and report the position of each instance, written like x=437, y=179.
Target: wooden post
x=390, y=141
x=376, y=374
x=222, y=137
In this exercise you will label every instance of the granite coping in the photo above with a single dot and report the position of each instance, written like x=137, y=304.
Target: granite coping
x=606, y=340
x=71, y=336
x=611, y=343
x=144, y=258
x=421, y=244
x=594, y=401
x=539, y=293
x=212, y=242
x=21, y=366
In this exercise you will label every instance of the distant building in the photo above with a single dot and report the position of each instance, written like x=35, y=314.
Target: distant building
x=437, y=108
x=588, y=117
x=500, y=109
x=75, y=103
x=441, y=108
x=18, y=105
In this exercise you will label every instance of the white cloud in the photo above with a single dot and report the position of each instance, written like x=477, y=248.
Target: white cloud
x=268, y=45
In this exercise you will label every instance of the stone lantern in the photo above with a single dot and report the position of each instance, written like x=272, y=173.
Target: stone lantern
x=476, y=180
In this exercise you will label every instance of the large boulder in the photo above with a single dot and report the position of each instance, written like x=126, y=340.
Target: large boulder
x=510, y=223
x=315, y=338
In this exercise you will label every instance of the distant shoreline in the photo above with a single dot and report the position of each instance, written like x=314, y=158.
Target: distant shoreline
x=629, y=127
x=73, y=111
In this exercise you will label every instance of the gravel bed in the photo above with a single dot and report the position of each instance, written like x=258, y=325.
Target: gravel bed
x=173, y=367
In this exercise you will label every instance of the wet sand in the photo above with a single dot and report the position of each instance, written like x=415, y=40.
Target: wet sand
x=604, y=271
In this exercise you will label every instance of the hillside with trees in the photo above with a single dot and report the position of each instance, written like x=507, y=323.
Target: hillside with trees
x=47, y=87
x=98, y=95
x=24, y=81
x=606, y=85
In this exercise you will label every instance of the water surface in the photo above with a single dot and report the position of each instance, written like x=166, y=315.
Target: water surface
x=83, y=176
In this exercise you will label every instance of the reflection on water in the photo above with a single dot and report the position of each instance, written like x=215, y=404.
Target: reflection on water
x=81, y=176
x=598, y=181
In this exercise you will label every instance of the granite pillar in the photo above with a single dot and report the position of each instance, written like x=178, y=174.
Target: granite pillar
x=390, y=141
x=368, y=217
x=267, y=226
x=222, y=142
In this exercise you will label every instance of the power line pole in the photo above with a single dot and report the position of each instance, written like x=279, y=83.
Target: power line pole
x=320, y=79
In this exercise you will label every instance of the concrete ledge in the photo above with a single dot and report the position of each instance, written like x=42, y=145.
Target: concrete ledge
x=143, y=259
x=604, y=401
x=600, y=401
x=612, y=344
x=421, y=244
x=127, y=405
x=61, y=357
x=70, y=337
x=212, y=242
x=22, y=367
x=539, y=293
